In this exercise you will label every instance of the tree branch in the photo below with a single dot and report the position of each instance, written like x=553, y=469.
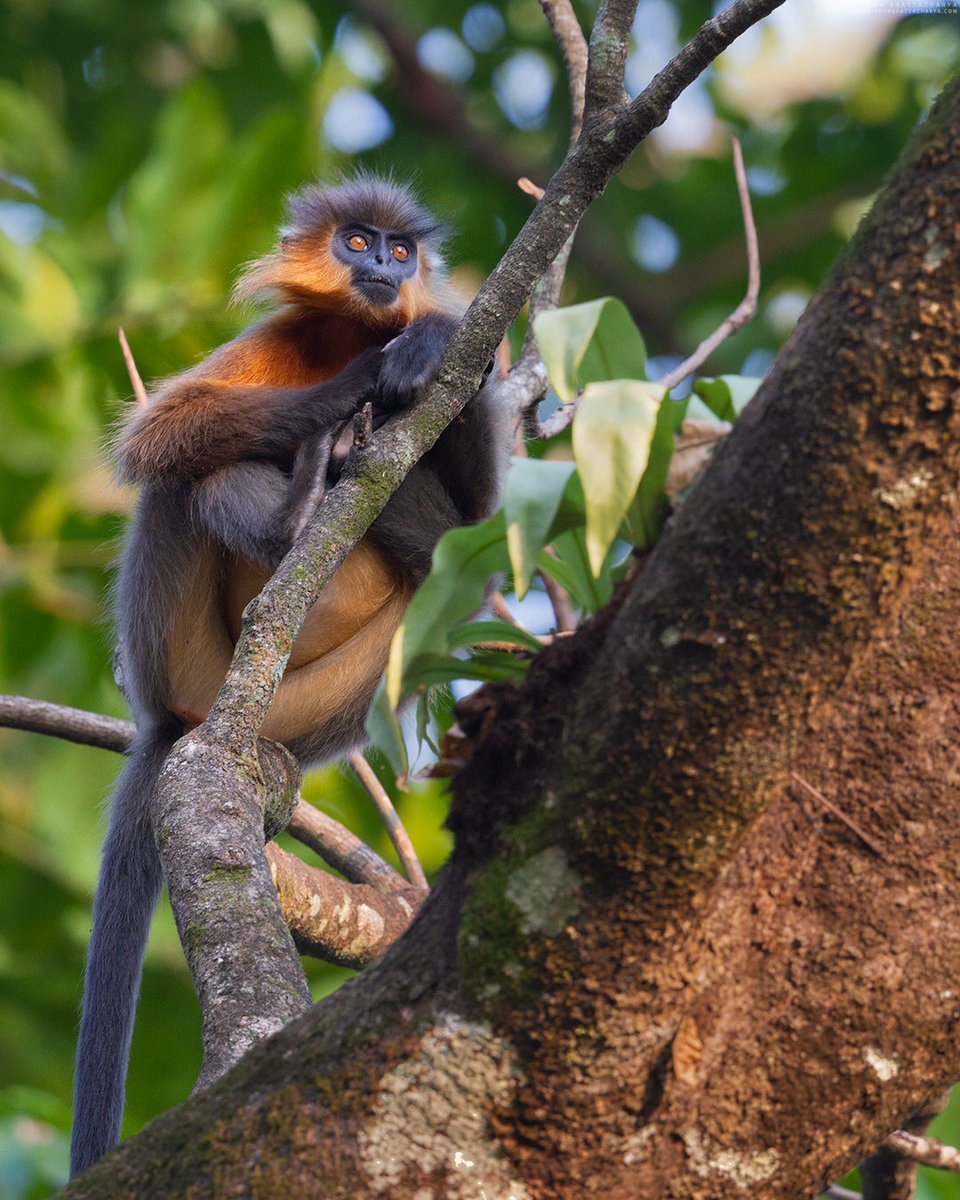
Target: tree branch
x=927, y=1151
x=609, y=42
x=342, y=850
x=350, y=924
x=546, y=295
x=394, y=826
x=209, y=823
x=71, y=724
x=573, y=48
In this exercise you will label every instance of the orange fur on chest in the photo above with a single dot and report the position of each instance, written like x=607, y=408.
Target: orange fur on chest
x=294, y=348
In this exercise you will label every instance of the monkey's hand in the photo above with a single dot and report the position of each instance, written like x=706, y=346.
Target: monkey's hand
x=339, y=398
x=411, y=361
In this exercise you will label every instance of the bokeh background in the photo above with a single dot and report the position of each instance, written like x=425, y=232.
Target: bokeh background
x=145, y=149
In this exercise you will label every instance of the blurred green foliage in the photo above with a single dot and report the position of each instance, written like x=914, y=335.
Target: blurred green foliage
x=144, y=153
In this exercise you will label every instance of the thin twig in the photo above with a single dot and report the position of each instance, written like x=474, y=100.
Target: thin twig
x=573, y=47
x=840, y=1193
x=342, y=850
x=388, y=814
x=546, y=295
x=71, y=724
x=748, y=305
x=928, y=1151
x=138, y=389
x=564, y=614
x=558, y=421
x=839, y=813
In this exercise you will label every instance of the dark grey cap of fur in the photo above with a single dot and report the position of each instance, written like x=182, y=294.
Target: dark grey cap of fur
x=368, y=199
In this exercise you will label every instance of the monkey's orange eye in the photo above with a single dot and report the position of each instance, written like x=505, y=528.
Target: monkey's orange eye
x=400, y=252
x=357, y=241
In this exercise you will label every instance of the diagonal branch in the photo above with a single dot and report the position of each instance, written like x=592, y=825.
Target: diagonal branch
x=345, y=513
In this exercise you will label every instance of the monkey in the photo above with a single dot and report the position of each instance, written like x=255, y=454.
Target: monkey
x=230, y=456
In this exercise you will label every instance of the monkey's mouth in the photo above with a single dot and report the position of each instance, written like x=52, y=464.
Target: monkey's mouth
x=377, y=289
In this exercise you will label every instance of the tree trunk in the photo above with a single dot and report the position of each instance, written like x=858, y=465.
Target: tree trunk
x=657, y=965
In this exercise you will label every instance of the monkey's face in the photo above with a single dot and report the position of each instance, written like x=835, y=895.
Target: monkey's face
x=379, y=261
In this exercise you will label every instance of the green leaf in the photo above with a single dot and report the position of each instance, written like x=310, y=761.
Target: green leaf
x=485, y=667
x=463, y=561
x=532, y=496
x=571, y=569
x=385, y=732
x=727, y=395
x=589, y=342
x=612, y=436
x=472, y=633
x=646, y=516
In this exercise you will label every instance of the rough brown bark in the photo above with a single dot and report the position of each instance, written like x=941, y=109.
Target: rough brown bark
x=655, y=968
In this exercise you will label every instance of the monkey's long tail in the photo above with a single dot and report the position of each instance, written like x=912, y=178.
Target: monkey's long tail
x=127, y=893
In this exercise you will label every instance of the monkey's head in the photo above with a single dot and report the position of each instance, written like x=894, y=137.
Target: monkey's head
x=366, y=248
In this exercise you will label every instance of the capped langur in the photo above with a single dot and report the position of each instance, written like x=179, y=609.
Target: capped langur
x=227, y=455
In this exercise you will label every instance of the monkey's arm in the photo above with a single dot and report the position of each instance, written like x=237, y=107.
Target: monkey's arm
x=196, y=426
x=457, y=483
x=472, y=454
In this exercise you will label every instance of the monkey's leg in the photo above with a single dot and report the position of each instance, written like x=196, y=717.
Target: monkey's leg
x=308, y=482
x=127, y=893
